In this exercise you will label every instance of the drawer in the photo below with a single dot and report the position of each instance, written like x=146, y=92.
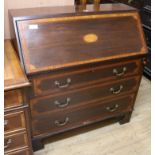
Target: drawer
x=58, y=122
x=13, y=99
x=14, y=122
x=55, y=83
x=15, y=142
x=66, y=100
x=19, y=152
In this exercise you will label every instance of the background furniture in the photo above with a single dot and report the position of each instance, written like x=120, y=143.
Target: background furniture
x=16, y=124
x=75, y=80
x=145, y=12
x=144, y=7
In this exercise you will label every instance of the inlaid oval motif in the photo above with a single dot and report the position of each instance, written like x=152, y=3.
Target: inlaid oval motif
x=90, y=38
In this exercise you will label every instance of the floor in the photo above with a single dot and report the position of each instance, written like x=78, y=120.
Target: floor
x=129, y=139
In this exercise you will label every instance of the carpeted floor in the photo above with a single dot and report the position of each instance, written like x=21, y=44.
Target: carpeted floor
x=129, y=139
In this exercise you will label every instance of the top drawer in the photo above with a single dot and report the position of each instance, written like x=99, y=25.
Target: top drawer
x=67, y=80
x=13, y=99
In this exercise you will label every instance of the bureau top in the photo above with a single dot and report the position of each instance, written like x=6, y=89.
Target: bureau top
x=60, y=37
x=14, y=76
x=29, y=13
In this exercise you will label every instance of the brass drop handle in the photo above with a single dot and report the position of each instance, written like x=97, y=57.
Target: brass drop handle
x=116, y=91
x=59, y=123
x=115, y=71
x=9, y=141
x=59, y=85
x=112, y=109
x=62, y=105
x=5, y=123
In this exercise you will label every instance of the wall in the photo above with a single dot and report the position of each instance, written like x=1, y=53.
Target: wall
x=15, y=4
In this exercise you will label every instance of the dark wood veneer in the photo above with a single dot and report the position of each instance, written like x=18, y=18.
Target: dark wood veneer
x=43, y=85
x=82, y=96
x=101, y=51
x=88, y=114
x=74, y=48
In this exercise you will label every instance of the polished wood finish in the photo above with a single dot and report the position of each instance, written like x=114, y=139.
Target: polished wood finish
x=13, y=99
x=14, y=76
x=85, y=64
x=16, y=132
x=93, y=112
x=86, y=76
x=34, y=51
x=15, y=142
x=33, y=13
x=19, y=152
x=144, y=7
x=41, y=48
x=14, y=122
x=72, y=99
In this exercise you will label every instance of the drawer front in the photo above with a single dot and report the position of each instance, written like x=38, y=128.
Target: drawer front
x=15, y=142
x=58, y=122
x=13, y=99
x=14, y=122
x=20, y=152
x=74, y=98
x=52, y=83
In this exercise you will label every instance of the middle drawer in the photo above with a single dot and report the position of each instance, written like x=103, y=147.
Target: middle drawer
x=14, y=122
x=75, y=98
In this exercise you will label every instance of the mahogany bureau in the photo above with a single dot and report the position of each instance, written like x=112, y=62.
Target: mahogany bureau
x=16, y=124
x=84, y=66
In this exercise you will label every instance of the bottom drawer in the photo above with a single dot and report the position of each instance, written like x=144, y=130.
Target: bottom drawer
x=20, y=152
x=61, y=121
x=15, y=142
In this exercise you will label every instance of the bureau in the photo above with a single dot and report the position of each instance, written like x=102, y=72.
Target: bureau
x=84, y=64
x=17, y=140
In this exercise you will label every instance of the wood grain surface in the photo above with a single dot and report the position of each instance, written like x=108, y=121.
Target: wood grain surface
x=17, y=141
x=69, y=47
x=81, y=77
x=15, y=121
x=13, y=99
x=81, y=97
x=89, y=114
x=14, y=76
x=133, y=138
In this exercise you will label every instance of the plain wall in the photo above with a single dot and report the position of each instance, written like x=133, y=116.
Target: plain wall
x=15, y=4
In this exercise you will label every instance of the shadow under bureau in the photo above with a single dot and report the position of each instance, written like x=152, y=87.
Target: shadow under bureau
x=84, y=66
